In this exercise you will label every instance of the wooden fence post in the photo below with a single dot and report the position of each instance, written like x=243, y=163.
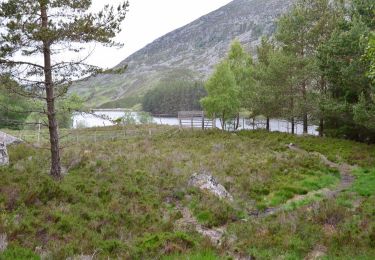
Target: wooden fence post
x=202, y=120
x=179, y=120
x=39, y=132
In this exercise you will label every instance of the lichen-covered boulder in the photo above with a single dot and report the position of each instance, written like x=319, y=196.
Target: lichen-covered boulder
x=4, y=158
x=207, y=182
x=9, y=139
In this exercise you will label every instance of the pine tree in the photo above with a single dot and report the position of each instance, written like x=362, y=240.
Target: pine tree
x=276, y=74
x=349, y=109
x=51, y=29
x=301, y=31
x=266, y=96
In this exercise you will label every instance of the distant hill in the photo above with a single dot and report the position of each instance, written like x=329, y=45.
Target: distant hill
x=189, y=52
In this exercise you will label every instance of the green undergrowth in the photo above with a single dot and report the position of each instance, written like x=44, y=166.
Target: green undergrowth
x=211, y=211
x=342, y=232
x=205, y=255
x=365, y=182
x=120, y=198
x=18, y=253
x=336, y=150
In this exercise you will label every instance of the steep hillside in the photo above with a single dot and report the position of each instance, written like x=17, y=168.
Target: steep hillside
x=188, y=52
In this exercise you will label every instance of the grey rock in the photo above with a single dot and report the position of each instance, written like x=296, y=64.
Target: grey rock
x=4, y=158
x=3, y=242
x=207, y=182
x=81, y=257
x=217, y=148
x=8, y=139
x=190, y=52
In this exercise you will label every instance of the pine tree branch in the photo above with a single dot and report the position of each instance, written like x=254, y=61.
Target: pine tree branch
x=9, y=62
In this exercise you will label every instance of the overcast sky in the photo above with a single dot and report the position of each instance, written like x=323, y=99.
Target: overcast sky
x=147, y=20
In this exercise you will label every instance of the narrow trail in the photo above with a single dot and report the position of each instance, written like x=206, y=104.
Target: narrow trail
x=346, y=181
x=345, y=170
x=216, y=235
x=188, y=221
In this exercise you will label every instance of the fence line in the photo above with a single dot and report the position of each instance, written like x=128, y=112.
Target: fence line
x=88, y=135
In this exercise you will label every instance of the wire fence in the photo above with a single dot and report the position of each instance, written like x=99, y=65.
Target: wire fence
x=71, y=136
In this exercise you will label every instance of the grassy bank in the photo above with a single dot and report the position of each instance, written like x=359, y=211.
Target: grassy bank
x=120, y=198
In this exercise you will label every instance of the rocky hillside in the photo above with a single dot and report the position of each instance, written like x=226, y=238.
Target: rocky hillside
x=188, y=52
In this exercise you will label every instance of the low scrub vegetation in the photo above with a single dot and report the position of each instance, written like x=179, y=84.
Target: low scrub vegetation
x=123, y=198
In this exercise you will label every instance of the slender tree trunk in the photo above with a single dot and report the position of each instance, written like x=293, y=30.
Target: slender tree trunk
x=292, y=109
x=223, y=122
x=51, y=113
x=321, y=127
x=323, y=91
x=237, y=123
x=268, y=124
x=305, y=124
x=305, y=119
x=293, y=125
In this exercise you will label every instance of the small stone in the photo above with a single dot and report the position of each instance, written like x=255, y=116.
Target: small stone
x=64, y=170
x=3, y=242
x=217, y=147
x=81, y=257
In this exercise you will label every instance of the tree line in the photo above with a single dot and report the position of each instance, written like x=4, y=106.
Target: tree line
x=19, y=112
x=172, y=96
x=317, y=68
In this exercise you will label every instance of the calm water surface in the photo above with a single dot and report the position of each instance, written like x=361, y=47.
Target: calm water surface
x=99, y=119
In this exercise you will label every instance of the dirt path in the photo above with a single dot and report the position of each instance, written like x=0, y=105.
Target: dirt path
x=216, y=235
x=345, y=170
x=346, y=181
x=188, y=221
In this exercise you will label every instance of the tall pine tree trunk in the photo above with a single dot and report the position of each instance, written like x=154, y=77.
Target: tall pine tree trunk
x=293, y=125
x=323, y=91
x=292, y=109
x=305, y=124
x=305, y=118
x=51, y=113
x=321, y=127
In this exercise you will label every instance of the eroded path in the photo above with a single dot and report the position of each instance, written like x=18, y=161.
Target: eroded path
x=346, y=181
x=188, y=221
x=216, y=235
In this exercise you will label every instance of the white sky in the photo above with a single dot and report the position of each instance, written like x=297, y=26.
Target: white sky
x=146, y=21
